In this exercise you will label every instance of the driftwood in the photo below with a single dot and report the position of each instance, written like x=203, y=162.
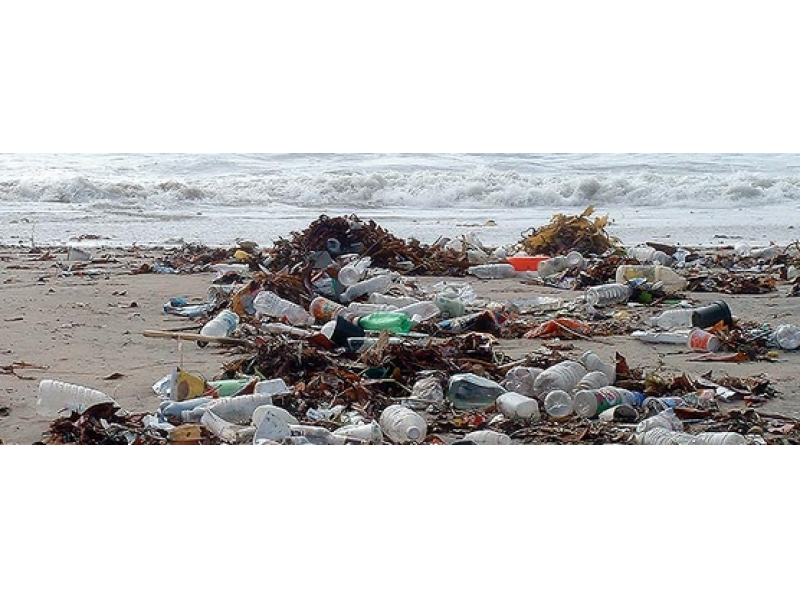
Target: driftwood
x=197, y=337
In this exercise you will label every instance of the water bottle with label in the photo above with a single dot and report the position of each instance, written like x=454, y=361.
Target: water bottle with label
x=402, y=425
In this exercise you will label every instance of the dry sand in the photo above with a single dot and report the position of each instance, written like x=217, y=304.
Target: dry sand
x=87, y=330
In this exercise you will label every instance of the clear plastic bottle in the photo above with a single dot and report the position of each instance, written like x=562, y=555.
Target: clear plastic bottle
x=57, y=396
x=233, y=409
x=722, y=438
x=449, y=306
x=574, y=260
x=593, y=380
x=175, y=409
x=319, y=436
x=675, y=318
x=487, y=437
x=517, y=406
x=561, y=376
x=607, y=294
x=493, y=271
x=666, y=437
x=593, y=362
x=269, y=303
x=551, y=266
x=401, y=424
x=559, y=404
x=222, y=325
x=419, y=311
x=666, y=419
x=369, y=432
x=643, y=254
x=589, y=403
x=468, y=391
x=396, y=301
x=427, y=391
x=521, y=380
x=670, y=281
x=787, y=337
x=351, y=273
x=379, y=284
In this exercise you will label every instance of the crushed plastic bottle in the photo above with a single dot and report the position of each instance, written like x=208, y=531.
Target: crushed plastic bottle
x=607, y=294
x=269, y=303
x=487, y=437
x=787, y=337
x=493, y=271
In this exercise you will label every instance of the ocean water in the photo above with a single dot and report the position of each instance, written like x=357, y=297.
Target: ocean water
x=216, y=199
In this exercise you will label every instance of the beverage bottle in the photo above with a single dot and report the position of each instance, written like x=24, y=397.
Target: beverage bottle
x=467, y=391
x=222, y=325
x=233, y=409
x=379, y=283
x=670, y=281
x=362, y=344
x=389, y=321
x=561, y=376
x=721, y=438
x=319, y=436
x=787, y=337
x=493, y=271
x=270, y=304
x=449, y=306
x=643, y=254
x=59, y=398
x=419, y=311
x=607, y=294
x=666, y=419
x=351, y=273
x=574, y=260
x=593, y=380
x=593, y=362
x=386, y=300
x=174, y=409
x=559, y=404
x=460, y=324
x=401, y=424
x=589, y=403
x=487, y=437
x=675, y=318
x=517, y=406
x=521, y=379
x=368, y=432
x=666, y=437
x=362, y=309
x=551, y=266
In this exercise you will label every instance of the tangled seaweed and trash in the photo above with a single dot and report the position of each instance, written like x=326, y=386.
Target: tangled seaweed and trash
x=330, y=337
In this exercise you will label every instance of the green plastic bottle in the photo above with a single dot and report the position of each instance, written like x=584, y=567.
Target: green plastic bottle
x=394, y=322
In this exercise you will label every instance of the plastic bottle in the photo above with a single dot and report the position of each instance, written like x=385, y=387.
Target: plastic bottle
x=521, y=379
x=487, y=437
x=665, y=437
x=352, y=273
x=233, y=409
x=57, y=396
x=662, y=337
x=670, y=281
x=175, y=409
x=426, y=392
x=269, y=303
x=621, y=413
x=561, y=376
x=593, y=380
x=551, y=266
x=666, y=419
x=559, y=404
x=225, y=430
x=593, y=362
x=493, y=271
x=607, y=294
x=369, y=432
x=386, y=300
x=787, y=337
x=721, y=438
x=361, y=344
x=589, y=403
x=319, y=436
x=401, y=424
x=574, y=260
x=222, y=325
x=379, y=283
x=389, y=321
x=450, y=307
x=641, y=253
x=468, y=391
x=324, y=310
x=270, y=410
x=419, y=311
x=517, y=406
x=673, y=319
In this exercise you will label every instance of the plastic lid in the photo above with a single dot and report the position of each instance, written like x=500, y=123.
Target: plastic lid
x=413, y=433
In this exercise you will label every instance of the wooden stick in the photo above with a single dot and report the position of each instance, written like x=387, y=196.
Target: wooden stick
x=179, y=335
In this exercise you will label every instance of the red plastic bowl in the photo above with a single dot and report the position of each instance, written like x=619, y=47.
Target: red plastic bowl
x=526, y=263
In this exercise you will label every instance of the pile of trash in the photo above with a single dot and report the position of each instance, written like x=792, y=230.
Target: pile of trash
x=332, y=339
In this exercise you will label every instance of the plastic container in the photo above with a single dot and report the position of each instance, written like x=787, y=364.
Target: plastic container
x=673, y=319
x=589, y=403
x=701, y=340
x=521, y=379
x=722, y=438
x=419, y=311
x=379, y=284
x=402, y=425
x=467, y=391
x=227, y=431
x=265, y=410
x=665, y=437
x=574, y=260
x=324, y=310
x=561, y=376
x=551, y=266
x=559, y=404
x=351, y=273
x=787, y=337
x=593, y=380
x=670, y=281
x=517, y=406
x=271, y=427
x=269, y=303
x=318, y=436
x=607, y=294
x=386, y=300
x=449, y=307
x=593, y=362
x=426, y=392
x=341, y=331
x=708, y=316
x=175, y=409
x=621, y=413
x=666, y=419
x=368, y=432
x=493, y=271
x=487, y=437
x=526, y=263
x=386, y=321
x=233, y=409
x=222, y=325
x=58, y=398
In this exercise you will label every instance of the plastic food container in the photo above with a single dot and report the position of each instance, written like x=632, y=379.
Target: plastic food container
x=526, y=263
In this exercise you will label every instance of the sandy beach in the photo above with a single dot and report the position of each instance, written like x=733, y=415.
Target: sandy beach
x=82, y=323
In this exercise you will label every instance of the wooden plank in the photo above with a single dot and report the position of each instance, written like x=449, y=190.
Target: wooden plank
x=197, y=337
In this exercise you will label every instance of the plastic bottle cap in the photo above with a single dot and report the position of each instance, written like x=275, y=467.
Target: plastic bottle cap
x=413, y=433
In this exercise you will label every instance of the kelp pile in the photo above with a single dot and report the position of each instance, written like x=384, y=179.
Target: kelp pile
x=566, y=233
